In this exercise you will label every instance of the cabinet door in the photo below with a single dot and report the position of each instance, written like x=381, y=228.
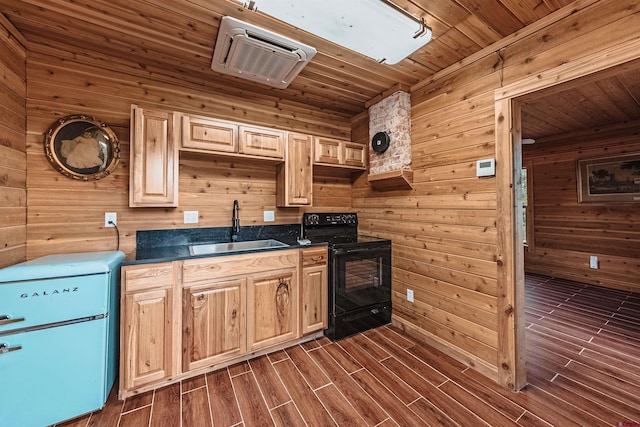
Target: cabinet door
x=209, y=134
x=354, y=155
x=213, y=327
x=314, y=310
x=272, y=308
x=154, y=158
x=147, y=345
x=327, y=151
x=261, y=142
x=294, y=177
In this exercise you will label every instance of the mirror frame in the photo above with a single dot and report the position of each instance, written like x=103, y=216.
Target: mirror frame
x=82, y=147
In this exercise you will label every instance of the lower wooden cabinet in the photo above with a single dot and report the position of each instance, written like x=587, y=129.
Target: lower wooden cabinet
x=314, y=304
x=213, y=323
x=183, y=318
x=272, y=308
x=147, y=353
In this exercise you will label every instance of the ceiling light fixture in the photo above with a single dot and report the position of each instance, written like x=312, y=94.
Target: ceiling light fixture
x=378, y=29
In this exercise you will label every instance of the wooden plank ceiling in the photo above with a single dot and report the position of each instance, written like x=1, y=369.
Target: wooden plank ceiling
x=172, y=40
x=609, y=97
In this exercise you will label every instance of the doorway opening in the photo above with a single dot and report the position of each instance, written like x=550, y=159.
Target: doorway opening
x=511, y=232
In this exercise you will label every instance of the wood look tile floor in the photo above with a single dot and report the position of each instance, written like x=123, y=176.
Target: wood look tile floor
x=583, y=354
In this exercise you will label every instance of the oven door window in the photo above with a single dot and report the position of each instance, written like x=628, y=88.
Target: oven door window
x=362, y=278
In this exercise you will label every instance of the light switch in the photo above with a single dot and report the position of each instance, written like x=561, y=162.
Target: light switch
x=269, y=216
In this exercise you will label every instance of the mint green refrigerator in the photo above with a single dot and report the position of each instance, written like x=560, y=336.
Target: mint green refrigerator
x=58, y=337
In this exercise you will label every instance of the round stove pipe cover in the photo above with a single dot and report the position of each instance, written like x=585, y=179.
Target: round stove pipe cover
x=380, y=142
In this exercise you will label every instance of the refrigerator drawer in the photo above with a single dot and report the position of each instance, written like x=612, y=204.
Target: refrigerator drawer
x=53, y=374
x=42, y=302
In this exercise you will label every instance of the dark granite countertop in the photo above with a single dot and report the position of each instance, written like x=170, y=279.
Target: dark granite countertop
x=171, y=245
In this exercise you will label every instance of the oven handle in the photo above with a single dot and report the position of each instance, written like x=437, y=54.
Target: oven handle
x=343, y=251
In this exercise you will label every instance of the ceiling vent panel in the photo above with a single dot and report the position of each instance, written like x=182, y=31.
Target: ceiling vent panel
x=252, y=53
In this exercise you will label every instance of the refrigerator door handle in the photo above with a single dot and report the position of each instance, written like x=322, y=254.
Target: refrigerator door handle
x=4, y=348
x=5, y=319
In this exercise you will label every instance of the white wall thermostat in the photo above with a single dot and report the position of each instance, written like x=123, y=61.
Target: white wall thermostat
x=486, y=167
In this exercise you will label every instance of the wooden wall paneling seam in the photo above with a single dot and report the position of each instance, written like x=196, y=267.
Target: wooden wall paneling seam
x=473, y=266
x=13, y=165
x=299, y=101
x=13, y=38
x=485, y=354
x=294, y=119
x=599, y=26
x=90, y=15
x=624, y=51
x=440, y=281
x=435, y=299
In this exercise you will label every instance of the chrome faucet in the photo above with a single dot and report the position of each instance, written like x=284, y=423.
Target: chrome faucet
x=235, y=221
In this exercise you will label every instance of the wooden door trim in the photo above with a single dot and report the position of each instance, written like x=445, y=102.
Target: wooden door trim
x=510, y=258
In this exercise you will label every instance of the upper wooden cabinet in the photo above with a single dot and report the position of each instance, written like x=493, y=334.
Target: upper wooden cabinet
x=333, y=152
x=220, y=136
x=204, y=133
x=262, y=142
x=354, y=155
x=153, y=178
x=294, y=177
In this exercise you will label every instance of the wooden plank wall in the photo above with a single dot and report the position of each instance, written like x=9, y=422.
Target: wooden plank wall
x=444, y=230
x=566, y=232
x=68, y=216
x=13, y=162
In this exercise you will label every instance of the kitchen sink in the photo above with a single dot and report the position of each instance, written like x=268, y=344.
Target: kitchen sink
x=251, y=245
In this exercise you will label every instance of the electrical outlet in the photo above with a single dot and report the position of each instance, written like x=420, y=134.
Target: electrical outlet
x=110, y=217
x=190, y=217
x=409, y=295
x=269, y=216
x=593, y=261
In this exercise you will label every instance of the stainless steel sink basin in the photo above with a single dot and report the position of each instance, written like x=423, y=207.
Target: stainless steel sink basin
x=251, y=245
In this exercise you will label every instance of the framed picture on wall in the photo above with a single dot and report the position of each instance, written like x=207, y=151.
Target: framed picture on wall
x=609, y=179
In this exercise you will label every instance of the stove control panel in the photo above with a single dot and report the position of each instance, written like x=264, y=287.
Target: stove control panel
x=329, y=219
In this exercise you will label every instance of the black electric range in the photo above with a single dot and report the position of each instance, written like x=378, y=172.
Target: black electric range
x=359, y=273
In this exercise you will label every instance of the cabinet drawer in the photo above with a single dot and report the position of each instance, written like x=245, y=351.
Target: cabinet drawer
x=209, y=134
x=261, y=142
x=328, y=151
x=354, y=155
x=317, y=256
x=197, y=270
x=139, y=277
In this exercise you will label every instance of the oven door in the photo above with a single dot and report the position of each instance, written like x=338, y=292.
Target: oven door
x=361, y=277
